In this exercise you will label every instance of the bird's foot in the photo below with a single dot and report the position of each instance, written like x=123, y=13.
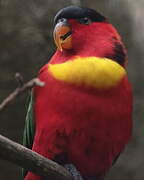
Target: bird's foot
x=73, y=171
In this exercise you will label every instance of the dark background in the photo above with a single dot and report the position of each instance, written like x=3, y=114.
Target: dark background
x=26, y=44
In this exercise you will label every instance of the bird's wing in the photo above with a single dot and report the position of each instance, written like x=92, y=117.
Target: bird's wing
x=29, y=129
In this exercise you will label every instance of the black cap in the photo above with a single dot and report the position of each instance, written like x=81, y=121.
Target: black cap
x=75, y=12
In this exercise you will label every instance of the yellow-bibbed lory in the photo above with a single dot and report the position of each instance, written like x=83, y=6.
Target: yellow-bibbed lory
x=83, y=114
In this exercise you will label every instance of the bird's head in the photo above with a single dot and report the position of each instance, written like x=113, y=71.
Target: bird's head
x=90, y=51
x=85, y=32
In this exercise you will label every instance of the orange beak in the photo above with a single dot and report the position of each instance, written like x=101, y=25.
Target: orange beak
x=62, y=35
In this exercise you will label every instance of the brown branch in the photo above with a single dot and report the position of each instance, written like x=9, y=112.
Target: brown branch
x=19, y=79
x=19, y=90
x=31, y=161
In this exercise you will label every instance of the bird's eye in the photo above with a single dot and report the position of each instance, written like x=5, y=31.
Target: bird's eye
x=84, y=20
x=61, y=20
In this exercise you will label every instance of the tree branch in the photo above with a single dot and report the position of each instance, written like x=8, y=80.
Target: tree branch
x=19, y=90
x=31, y=161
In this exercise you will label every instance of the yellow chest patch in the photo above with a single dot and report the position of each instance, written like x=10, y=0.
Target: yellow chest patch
x=102, y=73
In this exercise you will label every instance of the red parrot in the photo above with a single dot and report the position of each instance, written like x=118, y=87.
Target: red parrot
x=83, y=114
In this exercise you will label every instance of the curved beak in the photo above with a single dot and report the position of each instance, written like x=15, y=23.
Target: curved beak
x=62, y=35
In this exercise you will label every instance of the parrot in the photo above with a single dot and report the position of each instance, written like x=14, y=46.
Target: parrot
x=83, y=114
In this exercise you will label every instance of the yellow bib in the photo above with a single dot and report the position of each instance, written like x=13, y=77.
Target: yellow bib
x=102, y=73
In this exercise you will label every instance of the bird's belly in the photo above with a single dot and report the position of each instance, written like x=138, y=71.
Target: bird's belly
x=90, y=127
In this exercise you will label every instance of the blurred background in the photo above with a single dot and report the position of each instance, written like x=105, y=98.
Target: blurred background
x=26, y=44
